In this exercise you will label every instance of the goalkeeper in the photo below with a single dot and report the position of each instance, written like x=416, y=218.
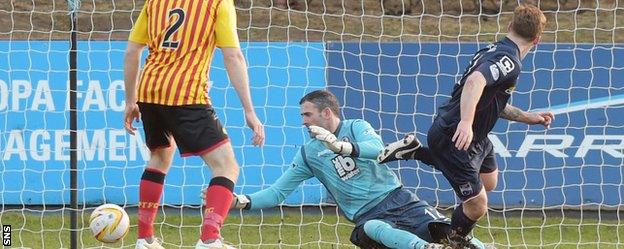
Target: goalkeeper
x=342, y=155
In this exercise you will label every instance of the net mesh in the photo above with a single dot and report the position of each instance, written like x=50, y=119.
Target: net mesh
x=389, y=62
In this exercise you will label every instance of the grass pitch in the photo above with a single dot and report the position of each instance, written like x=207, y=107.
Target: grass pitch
x=300, y=228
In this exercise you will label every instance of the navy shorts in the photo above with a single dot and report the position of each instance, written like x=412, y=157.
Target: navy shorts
x=461, y=167
x=195, y=128
x=401, y=209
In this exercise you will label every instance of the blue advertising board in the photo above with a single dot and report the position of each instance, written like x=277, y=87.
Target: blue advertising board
x=397, y=88
x=394, y=86
x=35, y=123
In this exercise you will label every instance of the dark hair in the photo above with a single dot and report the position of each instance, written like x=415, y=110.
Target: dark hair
x=528, y=22
x=322, y=99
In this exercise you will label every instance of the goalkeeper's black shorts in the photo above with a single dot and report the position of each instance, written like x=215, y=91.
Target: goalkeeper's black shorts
x=401, y=209
x=195, y=128
x=461, y=167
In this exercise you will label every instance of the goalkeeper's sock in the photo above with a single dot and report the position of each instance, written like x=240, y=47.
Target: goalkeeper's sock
x=424, y=155
x=460, y=223
x=150, y=191
x=391, y=237
x=218, y=200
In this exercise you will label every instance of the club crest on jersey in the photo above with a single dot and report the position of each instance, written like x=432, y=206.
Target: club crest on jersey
x=494, y=71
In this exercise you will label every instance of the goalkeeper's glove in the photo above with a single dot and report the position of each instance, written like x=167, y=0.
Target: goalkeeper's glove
x=239, y=201
x=330, y=141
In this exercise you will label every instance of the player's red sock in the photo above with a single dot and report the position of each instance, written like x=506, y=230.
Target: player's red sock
x=150, y=191
x=218, y=201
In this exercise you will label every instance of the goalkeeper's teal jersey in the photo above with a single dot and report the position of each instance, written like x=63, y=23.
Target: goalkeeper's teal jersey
x=357, y=183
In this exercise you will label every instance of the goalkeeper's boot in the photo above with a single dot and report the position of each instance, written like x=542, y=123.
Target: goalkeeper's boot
x=400, y=150
x=215, y=244
x=490, y=246
x=477, y=244
x=144, y=244
x=436, y=246
x=456, y=241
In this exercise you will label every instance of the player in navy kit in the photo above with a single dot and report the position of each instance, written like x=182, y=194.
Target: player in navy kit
x=342, y=156
x=457, y=139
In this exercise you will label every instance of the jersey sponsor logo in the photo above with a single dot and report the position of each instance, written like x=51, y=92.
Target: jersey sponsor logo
x=506, y=65
x=345, y=167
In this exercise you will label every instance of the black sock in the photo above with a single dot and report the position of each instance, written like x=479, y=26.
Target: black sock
x=460, y=223
x=423, y=154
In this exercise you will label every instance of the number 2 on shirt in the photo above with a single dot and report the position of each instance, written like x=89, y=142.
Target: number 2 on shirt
x=180, y=15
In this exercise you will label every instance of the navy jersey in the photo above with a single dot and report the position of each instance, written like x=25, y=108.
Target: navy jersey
x=500, y=65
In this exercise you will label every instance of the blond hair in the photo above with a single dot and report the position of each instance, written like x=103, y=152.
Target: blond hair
x=528, y=22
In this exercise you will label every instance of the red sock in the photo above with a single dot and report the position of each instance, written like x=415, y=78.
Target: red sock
x=218, y=201
x=150, y=190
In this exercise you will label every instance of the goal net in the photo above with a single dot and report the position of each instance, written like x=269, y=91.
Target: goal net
x=389, y=62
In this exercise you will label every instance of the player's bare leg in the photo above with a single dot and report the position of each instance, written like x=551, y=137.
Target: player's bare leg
x=222, y=162
x=489, y=180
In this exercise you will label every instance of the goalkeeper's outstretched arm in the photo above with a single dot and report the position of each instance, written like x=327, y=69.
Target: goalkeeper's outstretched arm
x=276, y=193
x=273, y=195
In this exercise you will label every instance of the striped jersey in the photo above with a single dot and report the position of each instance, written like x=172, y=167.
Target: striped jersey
x=181, y=37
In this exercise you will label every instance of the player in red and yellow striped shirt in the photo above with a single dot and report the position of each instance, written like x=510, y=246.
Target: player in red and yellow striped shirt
x=172, y=101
